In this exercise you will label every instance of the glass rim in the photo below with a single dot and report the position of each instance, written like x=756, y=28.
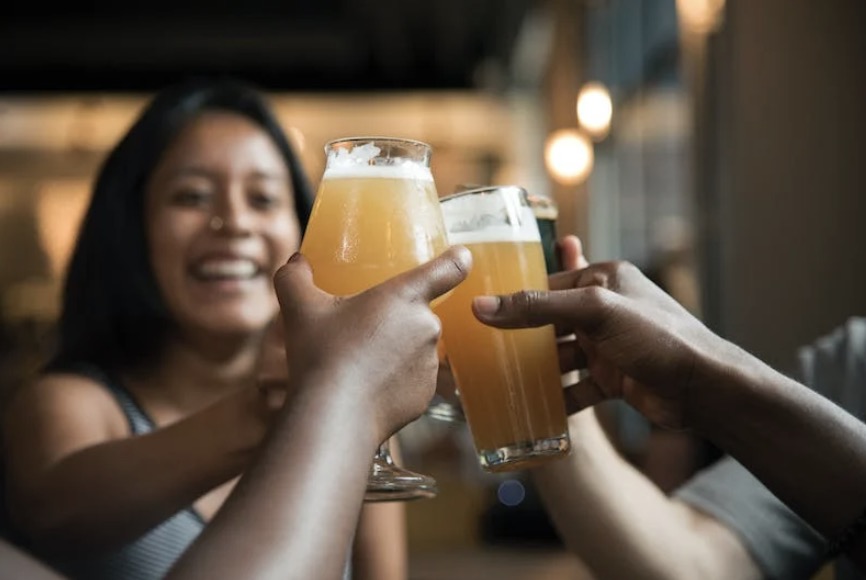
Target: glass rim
x=367, y=138
x=484, y=189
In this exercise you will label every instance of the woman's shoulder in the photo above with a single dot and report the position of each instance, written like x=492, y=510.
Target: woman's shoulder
x=67, y=396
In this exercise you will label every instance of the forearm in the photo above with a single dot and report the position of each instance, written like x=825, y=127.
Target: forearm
x=108, y=494
x=380, y=551
x=614, y=518
x=380, y=544
x=808, y=451
x=294, y=512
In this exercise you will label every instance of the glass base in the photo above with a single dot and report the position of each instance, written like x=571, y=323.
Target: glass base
x=524, y=455
x=387, y=482
x=442, y=410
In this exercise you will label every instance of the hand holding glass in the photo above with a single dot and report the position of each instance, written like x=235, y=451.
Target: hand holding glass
x=376, y=215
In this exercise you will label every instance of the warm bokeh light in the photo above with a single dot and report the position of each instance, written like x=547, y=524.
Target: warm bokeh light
x=569, y=156
x=60, y=207
x=700, y=16
x=297, y=139
x=594, y=109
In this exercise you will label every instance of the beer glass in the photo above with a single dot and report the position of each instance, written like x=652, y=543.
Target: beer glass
x=446, y=403
x=376, y=214
x=546, y=213
x=509, y=380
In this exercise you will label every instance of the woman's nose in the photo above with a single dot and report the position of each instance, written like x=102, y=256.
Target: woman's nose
x=234, y=216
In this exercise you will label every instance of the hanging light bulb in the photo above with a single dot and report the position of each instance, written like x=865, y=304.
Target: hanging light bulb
x=700, y=16
x=594, y=109
x=569, y=156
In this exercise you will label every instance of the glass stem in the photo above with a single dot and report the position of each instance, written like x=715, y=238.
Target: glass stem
x=383, y=453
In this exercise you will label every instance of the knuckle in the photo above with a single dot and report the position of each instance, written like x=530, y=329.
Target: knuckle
x=526, y=302
x=435, y=325
x=596, y=297
x=596, y=275
x=457, y=265
x=625, y=268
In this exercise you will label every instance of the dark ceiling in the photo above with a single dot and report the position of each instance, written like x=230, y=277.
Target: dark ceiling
x=323, y=45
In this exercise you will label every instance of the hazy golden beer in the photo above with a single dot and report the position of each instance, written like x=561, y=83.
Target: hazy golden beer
x=370, y=224
x=376, y=215
x=509, y=380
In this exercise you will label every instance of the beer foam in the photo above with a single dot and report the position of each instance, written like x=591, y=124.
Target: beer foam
x=487, y=228
x=409, y=170
x=360, y=162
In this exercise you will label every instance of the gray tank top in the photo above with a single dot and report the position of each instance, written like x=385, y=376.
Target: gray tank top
x=151, y=555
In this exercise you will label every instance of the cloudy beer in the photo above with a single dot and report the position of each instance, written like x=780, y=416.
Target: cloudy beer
x=370, y=223
x=509, y=380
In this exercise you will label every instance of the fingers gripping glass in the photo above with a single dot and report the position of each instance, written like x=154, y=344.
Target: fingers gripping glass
x=376, y=215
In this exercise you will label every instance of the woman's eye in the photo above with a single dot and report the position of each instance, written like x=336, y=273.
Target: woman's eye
x=190, y=198
x=263, y=200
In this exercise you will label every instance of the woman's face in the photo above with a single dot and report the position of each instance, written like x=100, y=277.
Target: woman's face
x=220, y=219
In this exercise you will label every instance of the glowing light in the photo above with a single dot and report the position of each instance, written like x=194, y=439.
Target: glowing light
x=700, y=16
x=60, y=207
x=594, y=109
x=569, y=156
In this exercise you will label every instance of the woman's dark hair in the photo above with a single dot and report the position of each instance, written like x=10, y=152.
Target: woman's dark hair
x=113, y=315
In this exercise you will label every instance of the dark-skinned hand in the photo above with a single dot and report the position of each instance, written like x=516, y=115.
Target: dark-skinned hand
x=637, y=342
x=378, y=347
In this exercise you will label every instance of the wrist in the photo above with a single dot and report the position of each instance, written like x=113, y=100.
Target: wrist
x=236, y=424
x=335, y=401
x=722, y=388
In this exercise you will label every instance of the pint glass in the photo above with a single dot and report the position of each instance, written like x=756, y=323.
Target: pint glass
x=376, y=214
x=509, y=380
x=546, y=213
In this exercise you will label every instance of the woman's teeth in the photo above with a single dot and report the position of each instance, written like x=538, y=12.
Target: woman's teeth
x=227, y=269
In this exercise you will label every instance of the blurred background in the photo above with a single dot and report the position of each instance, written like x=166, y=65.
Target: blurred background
x=714, y=143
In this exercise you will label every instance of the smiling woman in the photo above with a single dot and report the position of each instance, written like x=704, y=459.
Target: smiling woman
x=220, y=220
x=135, y=434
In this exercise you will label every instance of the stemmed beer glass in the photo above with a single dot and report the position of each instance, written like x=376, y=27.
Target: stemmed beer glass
x=376, y=214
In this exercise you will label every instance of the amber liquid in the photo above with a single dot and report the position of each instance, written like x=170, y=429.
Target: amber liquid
x=364, y=230
x=509, y=380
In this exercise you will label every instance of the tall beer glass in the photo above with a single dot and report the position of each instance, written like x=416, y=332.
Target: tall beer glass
x=546, y=213
x=446, y=403
x=376, y=214
x=509, y=381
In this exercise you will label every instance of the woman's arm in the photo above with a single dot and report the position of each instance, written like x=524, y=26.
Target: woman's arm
x=380, y=551
x=78, y=481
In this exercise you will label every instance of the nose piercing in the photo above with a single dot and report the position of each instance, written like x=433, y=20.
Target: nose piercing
x=216, y=223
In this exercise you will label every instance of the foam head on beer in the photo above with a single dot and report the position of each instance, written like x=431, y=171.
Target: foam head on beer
x=366, y=161
x=486, y=219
